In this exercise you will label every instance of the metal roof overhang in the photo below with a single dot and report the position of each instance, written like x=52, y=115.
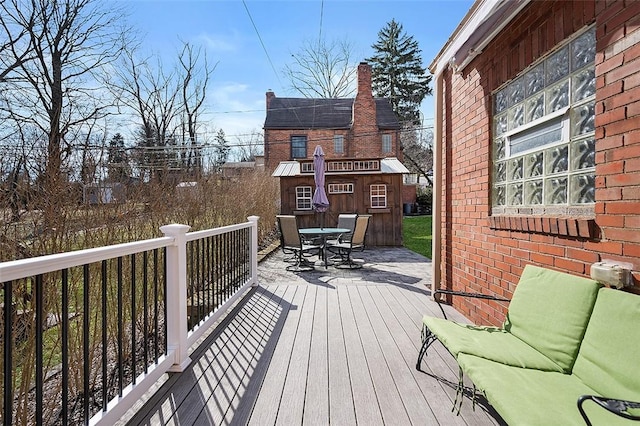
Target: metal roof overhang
x=483, y=22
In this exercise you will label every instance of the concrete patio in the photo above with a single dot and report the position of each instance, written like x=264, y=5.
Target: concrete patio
x=329, y=346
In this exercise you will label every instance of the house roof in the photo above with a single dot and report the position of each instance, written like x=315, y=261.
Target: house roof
x=305, y=113
x=390, y=165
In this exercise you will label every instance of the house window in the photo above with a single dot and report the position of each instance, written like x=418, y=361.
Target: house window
x=378, y=195
x=303, y=197
x=306, y=167
x=298, y=147
x=386, y=143
x=543, y=139
x=340, y=188
x=338, y=144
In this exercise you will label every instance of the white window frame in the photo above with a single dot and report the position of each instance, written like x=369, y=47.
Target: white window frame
x=378, y=196
x=340, y=188
x=387, y=143
x=338, y=144
x=304, y=196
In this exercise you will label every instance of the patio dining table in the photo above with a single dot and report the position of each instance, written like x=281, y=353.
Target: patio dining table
x=323, y=233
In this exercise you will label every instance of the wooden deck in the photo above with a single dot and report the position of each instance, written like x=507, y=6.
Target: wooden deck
x=322, y=347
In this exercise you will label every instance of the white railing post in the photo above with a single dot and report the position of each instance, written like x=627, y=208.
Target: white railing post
x=176, y=297
x=254, y=249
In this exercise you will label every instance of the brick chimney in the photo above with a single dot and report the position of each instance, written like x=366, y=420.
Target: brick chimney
x=270, y=95
x=364, y=125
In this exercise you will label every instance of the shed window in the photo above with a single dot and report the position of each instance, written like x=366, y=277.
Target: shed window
x=303, y=197
x=340, y=188
x=378, y=194
x=298, y=147
x=544, y=133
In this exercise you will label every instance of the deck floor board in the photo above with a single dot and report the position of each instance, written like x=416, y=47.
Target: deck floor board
x=329, y=346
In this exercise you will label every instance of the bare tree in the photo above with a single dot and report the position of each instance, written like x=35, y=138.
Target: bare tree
x=72, y=42
x=323, y=69
x=153, y=95
x=417, y=149
x=15, y=44
x=249, y=146
x=195, y=78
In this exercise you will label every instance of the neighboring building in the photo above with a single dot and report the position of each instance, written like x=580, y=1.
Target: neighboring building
x=537, y=144
x=361, y=141
x=237, y=169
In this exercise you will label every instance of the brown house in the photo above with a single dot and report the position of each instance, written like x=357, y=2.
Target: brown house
x=537, y=134
x=360, y=139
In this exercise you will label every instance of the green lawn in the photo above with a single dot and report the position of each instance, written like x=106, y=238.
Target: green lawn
x=416, y=233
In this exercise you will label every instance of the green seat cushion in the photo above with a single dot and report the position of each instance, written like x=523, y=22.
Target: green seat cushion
x=531, y=397
x=609, y=358
x=550, y=310
x=488, y=342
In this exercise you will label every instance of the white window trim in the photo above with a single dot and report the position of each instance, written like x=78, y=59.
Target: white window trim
x=378, y=197
x=300, y=198
x=386, y=136
x=566, y=130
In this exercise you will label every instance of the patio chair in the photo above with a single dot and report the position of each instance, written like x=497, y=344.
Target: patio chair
x=357, y=242
x=292, y=243
x=346, y=221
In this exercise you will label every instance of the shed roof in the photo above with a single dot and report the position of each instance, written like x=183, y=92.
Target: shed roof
x=305, y=113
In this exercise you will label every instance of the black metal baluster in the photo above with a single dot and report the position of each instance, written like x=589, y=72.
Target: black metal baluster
x=133, y=318
x=85, y=341
x=65, y=346
x=105, y=361
x=39, y=350
x=156, y=321
x=120, y=331
x=164, y=284
x=145, y=312
x=8, y=349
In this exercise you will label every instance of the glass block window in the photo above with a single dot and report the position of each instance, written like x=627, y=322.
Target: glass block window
x=298, y=147
x=303, y=197
x=378, y=194
x=386, y=143
x=543, y=133
x=340, y=188
x=338, y=144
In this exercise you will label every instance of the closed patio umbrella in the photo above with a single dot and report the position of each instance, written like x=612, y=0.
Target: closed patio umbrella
x=320, y=201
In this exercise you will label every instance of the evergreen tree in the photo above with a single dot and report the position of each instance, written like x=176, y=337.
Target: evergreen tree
x=397, y=72
x=118, y=167
x=221, y=150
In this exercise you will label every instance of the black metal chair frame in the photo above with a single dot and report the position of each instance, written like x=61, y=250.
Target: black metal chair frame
x=356, y=243
x=292, y=243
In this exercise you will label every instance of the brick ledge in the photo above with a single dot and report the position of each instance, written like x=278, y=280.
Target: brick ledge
x=562, y=226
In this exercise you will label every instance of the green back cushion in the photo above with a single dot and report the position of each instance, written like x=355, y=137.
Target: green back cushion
x=609, y=358
x=550, y=310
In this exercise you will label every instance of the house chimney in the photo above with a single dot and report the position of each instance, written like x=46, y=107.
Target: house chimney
x=364, y=125
x=270, y=95
x=364, y=80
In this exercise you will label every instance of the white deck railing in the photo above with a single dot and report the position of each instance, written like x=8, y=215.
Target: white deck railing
x=179, y=338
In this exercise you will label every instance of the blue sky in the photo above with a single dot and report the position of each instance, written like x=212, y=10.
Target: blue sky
x=236, y=101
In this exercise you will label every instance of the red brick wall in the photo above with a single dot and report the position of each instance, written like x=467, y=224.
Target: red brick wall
x=485, y=253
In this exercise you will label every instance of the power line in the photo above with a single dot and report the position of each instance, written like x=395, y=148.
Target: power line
x=262, y=42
